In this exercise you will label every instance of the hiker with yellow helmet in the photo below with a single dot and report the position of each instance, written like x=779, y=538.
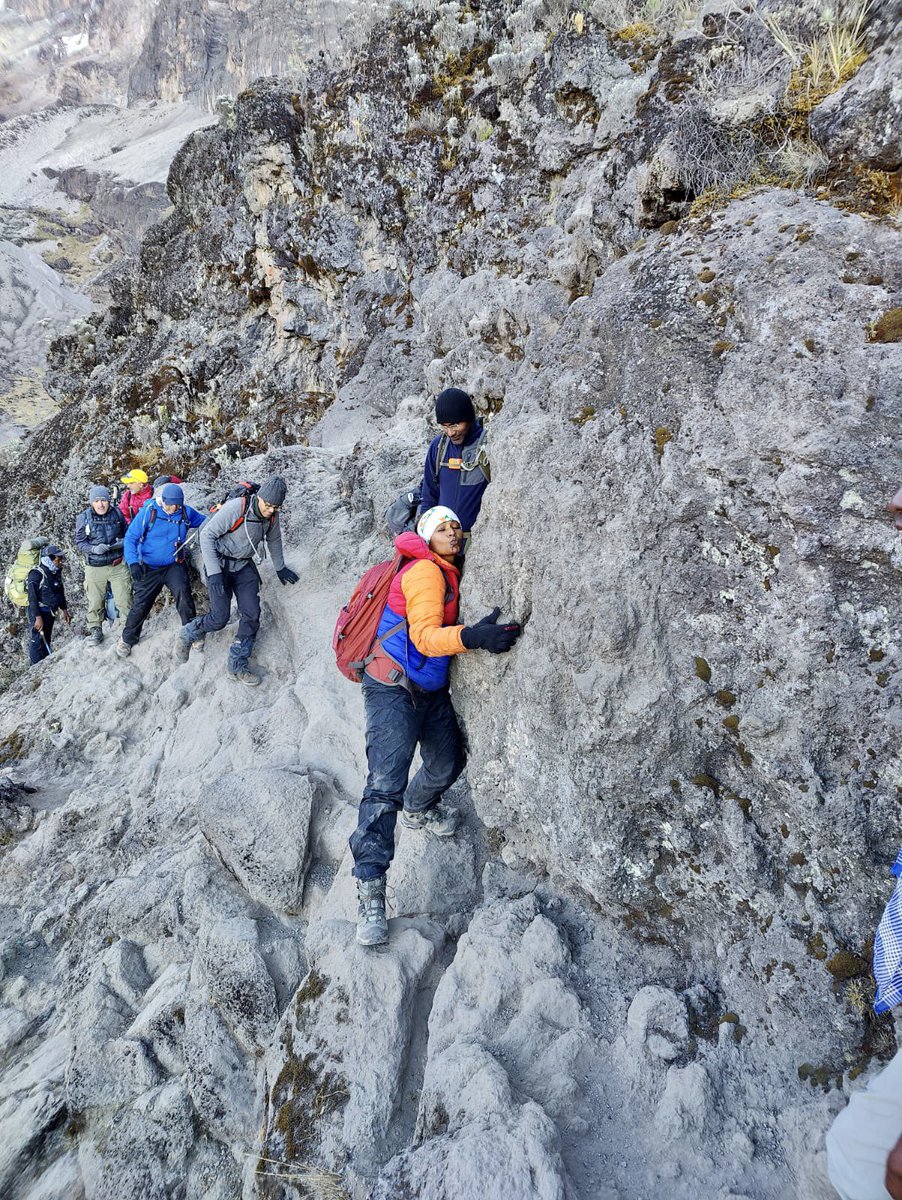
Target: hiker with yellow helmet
x=137, y=492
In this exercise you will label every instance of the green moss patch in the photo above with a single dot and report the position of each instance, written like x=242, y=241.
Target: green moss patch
x=888, y=328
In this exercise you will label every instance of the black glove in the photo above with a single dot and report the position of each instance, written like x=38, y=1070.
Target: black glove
x=215, y=585
x=486, y=635
x=116, y=547
x=100, y=548
x=137, y=570
x=286, y=575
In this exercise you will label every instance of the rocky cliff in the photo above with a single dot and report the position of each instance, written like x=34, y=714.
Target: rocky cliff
x=95, y=100
x=665, y=260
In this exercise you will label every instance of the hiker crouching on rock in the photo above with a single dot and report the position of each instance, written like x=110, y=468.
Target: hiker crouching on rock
x=46, y=598
x=99, y=533
x=407, y=702
x=154, y=551
x=232, y=543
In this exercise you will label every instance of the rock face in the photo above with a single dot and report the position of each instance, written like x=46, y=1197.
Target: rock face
x=862, y=121
x=128, y=50
x=95, y=101
x=642, y=967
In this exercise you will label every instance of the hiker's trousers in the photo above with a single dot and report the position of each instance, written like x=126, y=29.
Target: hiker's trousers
x=96, y=580
x=39, y=647
x=244, y=585
x=861, y=1137
x=148, y=586
x=396, y=722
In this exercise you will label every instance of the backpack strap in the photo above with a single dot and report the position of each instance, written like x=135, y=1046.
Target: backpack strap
x=440, y=454
x=481, y=459
x=245, y=500
x=149, y=517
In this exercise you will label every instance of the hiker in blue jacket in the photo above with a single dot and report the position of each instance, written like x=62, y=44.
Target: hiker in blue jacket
x=154, y=552
x=457, y=469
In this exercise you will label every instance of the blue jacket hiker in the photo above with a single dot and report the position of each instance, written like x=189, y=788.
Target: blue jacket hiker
x=46, y=598
x=154, y=545
x=457, y=469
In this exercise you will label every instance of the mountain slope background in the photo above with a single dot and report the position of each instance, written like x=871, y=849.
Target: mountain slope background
x=665, y=260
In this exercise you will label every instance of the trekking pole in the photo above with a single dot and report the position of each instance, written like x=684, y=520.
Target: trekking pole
x=46, y=643
x=187, y=545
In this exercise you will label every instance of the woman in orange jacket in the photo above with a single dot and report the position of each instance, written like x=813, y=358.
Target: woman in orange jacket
x=407, y=702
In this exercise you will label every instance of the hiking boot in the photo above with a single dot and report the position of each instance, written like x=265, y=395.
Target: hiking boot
x=248, y=677
x=96, y=636
x=441, y=822
x=200, y=644
x=372, y=926
x=182, y=648
x=122, y=649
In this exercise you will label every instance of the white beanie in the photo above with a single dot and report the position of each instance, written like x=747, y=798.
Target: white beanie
x=432, y=518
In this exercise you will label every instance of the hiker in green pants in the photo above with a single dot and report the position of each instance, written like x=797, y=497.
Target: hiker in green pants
x=99, y=534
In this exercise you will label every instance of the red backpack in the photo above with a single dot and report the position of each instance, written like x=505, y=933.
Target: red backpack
x=355, y=629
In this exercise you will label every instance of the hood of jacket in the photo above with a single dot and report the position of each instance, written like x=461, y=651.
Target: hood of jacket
x=411, y=545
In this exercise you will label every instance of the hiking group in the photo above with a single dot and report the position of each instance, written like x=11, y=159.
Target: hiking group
x=135, y=548
x=397, y=636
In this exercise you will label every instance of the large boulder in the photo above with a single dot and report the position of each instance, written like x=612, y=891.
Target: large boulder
x=258, y=822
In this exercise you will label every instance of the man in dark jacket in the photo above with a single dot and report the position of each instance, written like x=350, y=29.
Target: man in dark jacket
x=46, y=598
x=233, y=541
x=457, y=468
x=155, y=553
x=99, y=532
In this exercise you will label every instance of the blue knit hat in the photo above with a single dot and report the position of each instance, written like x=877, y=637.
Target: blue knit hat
x=172, y=494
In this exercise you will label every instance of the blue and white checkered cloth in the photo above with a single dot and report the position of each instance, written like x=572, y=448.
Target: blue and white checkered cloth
x=888, y=948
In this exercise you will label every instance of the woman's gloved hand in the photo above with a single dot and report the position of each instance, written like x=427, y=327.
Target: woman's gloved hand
x=486, y=635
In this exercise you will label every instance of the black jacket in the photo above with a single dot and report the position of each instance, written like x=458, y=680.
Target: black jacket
x=93, y=530
x=45, y=592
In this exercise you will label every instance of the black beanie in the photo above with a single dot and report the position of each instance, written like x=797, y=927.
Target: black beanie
x=453, y=406
x=273, y=491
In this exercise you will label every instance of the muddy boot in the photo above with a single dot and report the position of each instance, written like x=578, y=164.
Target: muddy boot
x=95, y=637
x=200, y=645
x=123, y=649
x=248, y=677
x=182, y=647
x=372, y=926
x=439, y=821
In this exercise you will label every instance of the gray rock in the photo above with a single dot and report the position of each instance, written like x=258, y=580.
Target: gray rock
x=505, y=1042
x=258, y=822
x=220, y=1076
x=230, y=964
x=336, y=1070
x=657, y=1019
x=686, y=769
x=862, y=121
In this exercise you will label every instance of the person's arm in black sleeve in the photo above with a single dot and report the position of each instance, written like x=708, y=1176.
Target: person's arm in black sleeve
x=32, y=587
